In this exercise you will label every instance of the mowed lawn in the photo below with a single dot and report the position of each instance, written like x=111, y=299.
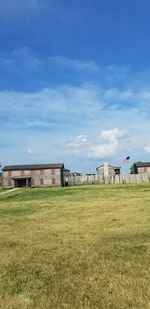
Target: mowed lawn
x=75, y=247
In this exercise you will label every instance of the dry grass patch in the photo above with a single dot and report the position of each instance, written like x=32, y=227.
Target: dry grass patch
x=77, y=247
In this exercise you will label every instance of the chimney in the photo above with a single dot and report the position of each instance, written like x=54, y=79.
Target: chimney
x=106, y=172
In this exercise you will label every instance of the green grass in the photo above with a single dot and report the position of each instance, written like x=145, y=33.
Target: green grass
x=76, y=247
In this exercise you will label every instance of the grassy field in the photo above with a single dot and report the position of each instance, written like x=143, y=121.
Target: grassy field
x=77, y=247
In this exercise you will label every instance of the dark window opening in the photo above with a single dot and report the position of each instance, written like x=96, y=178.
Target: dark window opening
x=20, y=183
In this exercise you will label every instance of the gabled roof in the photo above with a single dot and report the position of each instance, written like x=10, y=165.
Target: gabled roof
x=32, y=167
x=142, y=164
x=115, y=167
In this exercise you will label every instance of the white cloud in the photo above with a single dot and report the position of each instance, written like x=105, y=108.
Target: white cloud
x=129, y=97
x=108, y=146
x=112, y=134
x=79, y=145
x=103, y=150
x=147, y=148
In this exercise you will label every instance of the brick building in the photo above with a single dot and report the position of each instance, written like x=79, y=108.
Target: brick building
x=36, y=175
x=143, y=167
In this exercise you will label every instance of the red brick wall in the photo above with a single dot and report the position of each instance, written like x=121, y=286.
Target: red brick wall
x=32, y=173
x=42, y=172
x=53, y=171
x=21, y=173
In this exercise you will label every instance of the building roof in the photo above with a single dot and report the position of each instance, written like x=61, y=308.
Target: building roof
x=32, y=167
x=115, y=167
x=66, y=170
x=142, y=164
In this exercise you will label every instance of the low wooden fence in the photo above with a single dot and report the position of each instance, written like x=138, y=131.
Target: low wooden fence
x=117, y=179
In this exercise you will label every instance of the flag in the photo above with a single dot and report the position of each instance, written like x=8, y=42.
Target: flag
x=126, y=160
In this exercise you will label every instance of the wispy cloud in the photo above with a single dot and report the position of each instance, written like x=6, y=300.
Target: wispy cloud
x=65, y=113
x=19, y=61
x=32, y=152
x=65, y=100
x=29, y=151
x=113, y=72
x=25, y=60
x=74, y=63
x=82, y=105
x=15, y=11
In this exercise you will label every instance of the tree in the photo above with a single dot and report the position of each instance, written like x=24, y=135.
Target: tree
x=133, y=168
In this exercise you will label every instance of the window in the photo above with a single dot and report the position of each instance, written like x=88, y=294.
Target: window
x=41, y=182
x=53, y=171
x=53, y=181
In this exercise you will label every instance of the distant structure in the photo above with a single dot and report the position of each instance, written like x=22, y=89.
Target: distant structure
x=36, y=175
x=107, y=170
x=143, y=167
x=76, y=174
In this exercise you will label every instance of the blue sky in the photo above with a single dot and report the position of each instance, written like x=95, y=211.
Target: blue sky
x=74, y=82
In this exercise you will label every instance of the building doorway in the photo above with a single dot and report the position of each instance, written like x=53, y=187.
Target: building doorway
x=22, y=182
